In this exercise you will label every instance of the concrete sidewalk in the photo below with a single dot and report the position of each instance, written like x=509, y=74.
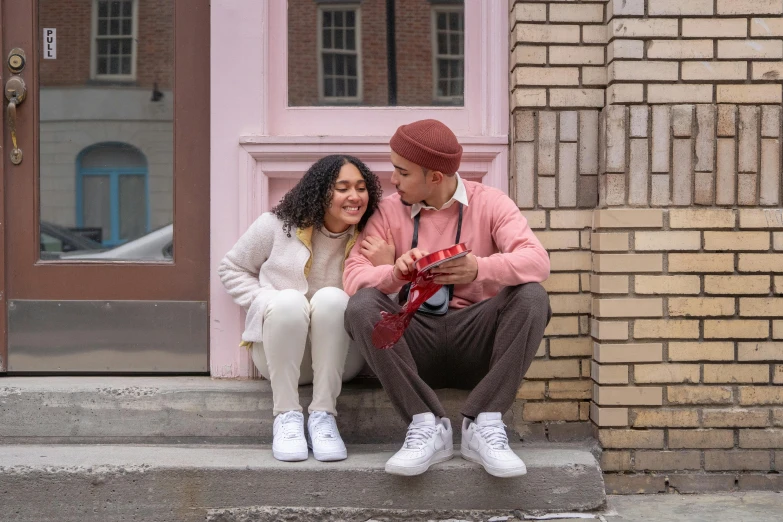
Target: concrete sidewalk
x=754, y=506
x=728, y=507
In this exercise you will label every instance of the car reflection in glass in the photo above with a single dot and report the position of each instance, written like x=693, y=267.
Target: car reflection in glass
x=157, y=245
x=56, y=239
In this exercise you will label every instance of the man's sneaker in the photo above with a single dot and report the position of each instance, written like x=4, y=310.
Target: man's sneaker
x=485, y=442
x=323, y=437
x=289, y=443
x=429, y=441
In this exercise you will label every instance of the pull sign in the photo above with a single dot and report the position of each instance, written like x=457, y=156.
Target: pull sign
x=50, y=44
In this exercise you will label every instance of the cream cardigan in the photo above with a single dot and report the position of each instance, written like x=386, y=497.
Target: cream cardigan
x=263, y=262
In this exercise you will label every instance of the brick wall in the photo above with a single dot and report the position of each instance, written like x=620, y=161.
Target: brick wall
x=674, y=51
x=302, y=55
x=685, y=239
x=682, y=155
x=558, y=79
x=413, y=37
x=686, y=322
x=558, y=54
x=557, y=388
x=73, y=20
x=555, y=181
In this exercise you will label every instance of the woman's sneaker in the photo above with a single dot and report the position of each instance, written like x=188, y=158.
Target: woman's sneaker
x=323, y=437
x=428, y=442
x=288, y=443
x=485, y=442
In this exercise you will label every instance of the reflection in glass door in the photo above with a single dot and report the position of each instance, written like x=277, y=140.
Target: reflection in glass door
x=376, y=53
x=112, y=170
x=106, y=130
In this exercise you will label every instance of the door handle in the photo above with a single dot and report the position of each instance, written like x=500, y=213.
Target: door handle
x=15, y=93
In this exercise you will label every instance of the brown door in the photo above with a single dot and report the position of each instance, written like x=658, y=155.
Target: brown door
x=104, y=243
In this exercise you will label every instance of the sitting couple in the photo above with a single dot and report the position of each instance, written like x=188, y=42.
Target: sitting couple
x=287, y=272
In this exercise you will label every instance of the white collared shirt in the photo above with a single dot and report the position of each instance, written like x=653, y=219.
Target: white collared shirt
x=460, y=195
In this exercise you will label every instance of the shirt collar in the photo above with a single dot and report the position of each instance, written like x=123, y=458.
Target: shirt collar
x=460, y=195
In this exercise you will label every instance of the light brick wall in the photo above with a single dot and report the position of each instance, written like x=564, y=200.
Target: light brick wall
x=681, y=155
x=558, y=54
x=680, y=164
x=555, y=158
x=674, y=51
x=557, y=389
x=686, y=359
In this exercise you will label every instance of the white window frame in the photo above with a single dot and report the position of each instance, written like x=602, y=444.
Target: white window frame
x=94, y=46
x=319, y=38
x=436, y=9
x=484, y=114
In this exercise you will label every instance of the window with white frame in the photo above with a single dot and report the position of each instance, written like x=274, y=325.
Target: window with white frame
x=114, y=39
x=448, y=54
x=340, y=54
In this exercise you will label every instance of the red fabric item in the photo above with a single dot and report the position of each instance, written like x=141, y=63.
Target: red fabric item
x=391, y=327
x=429, y=144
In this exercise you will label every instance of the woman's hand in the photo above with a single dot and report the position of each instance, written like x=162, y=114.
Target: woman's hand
x=378, y=250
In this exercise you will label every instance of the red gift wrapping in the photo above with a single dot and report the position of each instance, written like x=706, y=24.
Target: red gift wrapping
x=391, y=327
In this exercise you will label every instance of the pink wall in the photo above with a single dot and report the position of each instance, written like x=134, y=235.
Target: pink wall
x=259, y=146
x=236, y=110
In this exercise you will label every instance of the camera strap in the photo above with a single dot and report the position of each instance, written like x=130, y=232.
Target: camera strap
x=415, y=241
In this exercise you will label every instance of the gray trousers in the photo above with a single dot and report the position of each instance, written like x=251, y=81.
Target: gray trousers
x=486, y=347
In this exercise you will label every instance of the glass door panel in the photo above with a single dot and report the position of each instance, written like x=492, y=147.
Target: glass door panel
x=106, y=124
x=109, y=161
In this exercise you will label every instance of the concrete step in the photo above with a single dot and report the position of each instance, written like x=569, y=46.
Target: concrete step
x=184, y=410
x=152, y=483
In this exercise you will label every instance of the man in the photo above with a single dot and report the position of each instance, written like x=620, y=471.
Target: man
x=497, y=309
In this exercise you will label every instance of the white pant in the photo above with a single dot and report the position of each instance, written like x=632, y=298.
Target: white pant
x=287, y=359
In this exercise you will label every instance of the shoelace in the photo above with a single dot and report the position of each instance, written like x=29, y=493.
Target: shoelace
x=323, y=425
x=494, y=435
x=291, y=425
x=418, y=436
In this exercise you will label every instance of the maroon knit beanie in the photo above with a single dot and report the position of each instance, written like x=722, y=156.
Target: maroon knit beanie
x=428, y=143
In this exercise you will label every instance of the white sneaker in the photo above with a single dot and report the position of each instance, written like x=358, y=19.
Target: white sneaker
x=428, y=442
x=485, y=442
x=323, y=437
x=289, y=443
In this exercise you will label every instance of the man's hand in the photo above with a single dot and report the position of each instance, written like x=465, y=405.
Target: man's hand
x=457, y=272
x=403, y=267
x=378, y=251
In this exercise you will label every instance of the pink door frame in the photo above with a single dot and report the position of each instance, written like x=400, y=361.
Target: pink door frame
x=258, y=143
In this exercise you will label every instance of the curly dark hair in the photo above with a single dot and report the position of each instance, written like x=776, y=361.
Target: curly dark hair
x=305, y=205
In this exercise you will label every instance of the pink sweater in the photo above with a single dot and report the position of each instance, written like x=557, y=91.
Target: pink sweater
x=507, y=251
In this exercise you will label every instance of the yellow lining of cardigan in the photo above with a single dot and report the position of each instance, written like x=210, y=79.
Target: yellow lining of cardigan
x=305, y=235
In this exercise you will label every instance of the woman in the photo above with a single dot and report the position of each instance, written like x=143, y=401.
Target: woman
x=286, y=271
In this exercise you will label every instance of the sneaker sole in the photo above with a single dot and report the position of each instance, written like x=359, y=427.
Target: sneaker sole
x=326, y=456
x=289, y=457
x=411, y=471
x=331, y=457
x=472, y=456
